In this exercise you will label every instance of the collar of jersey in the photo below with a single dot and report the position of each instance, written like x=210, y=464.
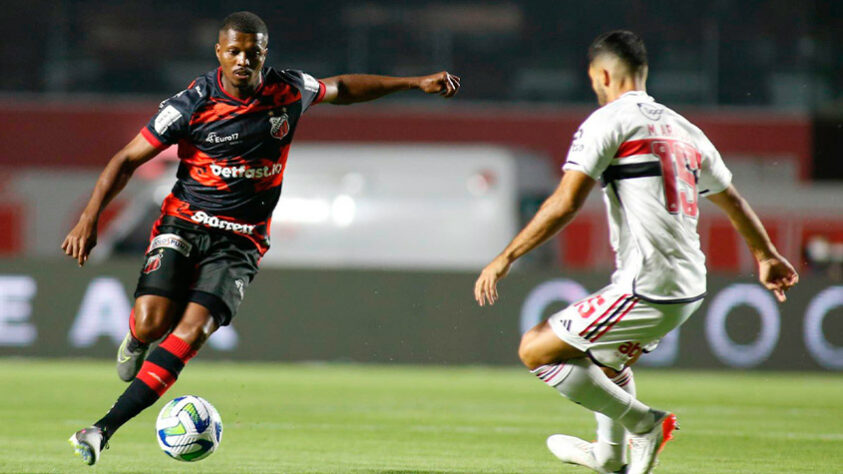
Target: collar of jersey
x=226, y=95
x=636, y=94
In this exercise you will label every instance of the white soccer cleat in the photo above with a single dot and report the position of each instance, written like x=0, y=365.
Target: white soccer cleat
x=573, y=450
x=87, y=443
x=644, y=448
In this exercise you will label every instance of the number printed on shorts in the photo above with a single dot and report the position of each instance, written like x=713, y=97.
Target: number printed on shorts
x=680, y=160
x=587, y=307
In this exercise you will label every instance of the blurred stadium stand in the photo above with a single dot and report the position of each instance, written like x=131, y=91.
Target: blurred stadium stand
x=762, y=78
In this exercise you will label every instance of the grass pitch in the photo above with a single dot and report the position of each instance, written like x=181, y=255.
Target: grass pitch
x=300, y=418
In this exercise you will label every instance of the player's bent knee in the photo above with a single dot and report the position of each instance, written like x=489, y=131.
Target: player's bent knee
x=531, y=356
x=151, y=320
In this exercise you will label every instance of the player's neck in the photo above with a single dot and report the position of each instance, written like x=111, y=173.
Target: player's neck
x=628, y=84
x=240, y=93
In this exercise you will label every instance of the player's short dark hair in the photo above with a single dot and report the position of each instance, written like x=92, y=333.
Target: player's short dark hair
x=623, y=44
x=244, y=22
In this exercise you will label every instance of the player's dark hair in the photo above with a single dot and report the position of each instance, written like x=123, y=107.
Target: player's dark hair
x=623, y=44
x=244, y=22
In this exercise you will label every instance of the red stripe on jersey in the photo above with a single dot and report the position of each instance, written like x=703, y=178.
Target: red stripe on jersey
x=156, y=377
x=214, y=110
x=152, y=139
x=175, y=207
x=628, y=309
x=281, y=93
x=199, y=166
x=635, y=147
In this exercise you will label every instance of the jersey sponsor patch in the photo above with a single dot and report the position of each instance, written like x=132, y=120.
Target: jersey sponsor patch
x=652, y=112
x=165, y=118
x=310, y=83
x=206, y=219
x=243, y=171
x=171, y=241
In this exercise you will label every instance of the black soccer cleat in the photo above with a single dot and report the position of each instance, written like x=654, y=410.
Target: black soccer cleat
x=88, y=443
x=130, y=357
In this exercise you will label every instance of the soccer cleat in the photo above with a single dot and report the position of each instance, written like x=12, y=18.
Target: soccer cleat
x=573, y=450
x=130, y=360
x=644, y=448
x=88, y=443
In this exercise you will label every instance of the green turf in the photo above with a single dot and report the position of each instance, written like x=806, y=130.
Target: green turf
x=358, y=418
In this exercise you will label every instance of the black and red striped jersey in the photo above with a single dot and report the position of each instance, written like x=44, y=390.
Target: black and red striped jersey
x=233, y=153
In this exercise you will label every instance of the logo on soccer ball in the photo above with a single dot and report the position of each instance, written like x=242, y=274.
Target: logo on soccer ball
x=279, y=126
x=152, y=263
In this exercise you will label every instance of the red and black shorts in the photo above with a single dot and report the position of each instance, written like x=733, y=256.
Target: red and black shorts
x=187, y=262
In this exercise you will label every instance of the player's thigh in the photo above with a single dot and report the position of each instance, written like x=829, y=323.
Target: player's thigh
x=154, y=315
x=540, y=346
x=223, y=276
x=169, y=265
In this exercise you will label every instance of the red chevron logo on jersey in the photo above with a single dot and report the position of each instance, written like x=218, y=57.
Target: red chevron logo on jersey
x=152, y=263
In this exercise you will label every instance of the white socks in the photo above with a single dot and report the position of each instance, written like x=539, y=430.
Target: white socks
x=610, y=448
x=581, y=381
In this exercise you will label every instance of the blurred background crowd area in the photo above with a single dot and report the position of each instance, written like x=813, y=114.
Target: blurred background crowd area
x=779, y=53
x=763, y=78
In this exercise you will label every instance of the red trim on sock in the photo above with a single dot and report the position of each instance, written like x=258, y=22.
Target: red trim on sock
x=156, y=377
x=176, y=346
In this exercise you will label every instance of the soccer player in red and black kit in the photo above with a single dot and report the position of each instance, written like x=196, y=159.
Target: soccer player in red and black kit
x=233, y=126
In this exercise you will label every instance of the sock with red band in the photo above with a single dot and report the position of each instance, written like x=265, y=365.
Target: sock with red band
x=158, y=373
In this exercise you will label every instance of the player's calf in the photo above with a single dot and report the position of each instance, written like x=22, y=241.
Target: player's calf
x=150, y=319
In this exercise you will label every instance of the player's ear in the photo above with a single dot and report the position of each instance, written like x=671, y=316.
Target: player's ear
x=605, y=77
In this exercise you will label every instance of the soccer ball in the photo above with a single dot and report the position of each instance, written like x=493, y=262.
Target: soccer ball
x=188, y=428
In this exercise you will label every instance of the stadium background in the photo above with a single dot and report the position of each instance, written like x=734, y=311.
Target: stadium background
x=414, y=192
x=389, y=212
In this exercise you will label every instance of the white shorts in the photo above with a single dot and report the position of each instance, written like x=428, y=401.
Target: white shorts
x=614, y=326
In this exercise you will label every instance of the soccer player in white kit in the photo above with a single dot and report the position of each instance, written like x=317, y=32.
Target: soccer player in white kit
x=652, y=165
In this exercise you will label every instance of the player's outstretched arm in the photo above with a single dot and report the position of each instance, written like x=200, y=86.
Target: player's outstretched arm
x=774, y=271
x=112, y=180
x=352, y=88
x=556, y=211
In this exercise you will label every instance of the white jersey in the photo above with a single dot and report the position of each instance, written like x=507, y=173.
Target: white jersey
x=653, y=164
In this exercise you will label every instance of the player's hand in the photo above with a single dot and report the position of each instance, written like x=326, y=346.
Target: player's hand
x=440, y=83
x=777, y=275
x=486, y=287
x=80, y=241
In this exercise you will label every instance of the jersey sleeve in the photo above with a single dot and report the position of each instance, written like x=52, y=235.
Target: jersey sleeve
x=172, y=121
x=312, y=90
x=594, y=145
x=714, y=175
